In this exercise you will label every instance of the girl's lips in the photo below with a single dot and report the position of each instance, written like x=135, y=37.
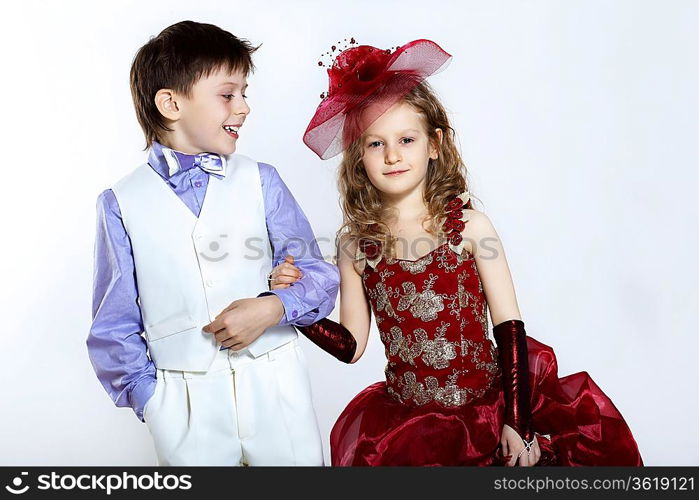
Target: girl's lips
x=395, y=172
x=232, y=134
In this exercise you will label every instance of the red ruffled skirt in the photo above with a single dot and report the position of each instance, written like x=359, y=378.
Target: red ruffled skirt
x=575, y=422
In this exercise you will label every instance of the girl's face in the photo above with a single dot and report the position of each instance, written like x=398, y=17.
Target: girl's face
x=396, y=151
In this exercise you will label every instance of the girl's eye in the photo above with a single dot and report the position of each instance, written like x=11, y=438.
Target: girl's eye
x=407, y=140
x=228, y=97
x=375, y=144
x=244, y=96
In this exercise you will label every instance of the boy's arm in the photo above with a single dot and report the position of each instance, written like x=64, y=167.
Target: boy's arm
x=313, y=296
x=116, y=348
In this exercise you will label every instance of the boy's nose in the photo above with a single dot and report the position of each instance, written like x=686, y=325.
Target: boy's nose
x=242, y=108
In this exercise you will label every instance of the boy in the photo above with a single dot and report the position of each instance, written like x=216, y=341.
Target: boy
x=183, y=255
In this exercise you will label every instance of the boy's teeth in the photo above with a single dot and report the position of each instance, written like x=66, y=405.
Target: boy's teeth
x=231, y=129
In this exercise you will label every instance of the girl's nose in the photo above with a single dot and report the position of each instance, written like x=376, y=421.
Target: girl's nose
x=391, y=155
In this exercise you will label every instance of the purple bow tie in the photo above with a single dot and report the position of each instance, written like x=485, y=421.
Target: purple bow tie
x=208, y=162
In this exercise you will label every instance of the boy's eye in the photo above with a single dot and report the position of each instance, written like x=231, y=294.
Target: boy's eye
x=228, y=97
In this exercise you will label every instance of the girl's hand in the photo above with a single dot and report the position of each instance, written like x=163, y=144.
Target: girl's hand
x=512, y=444
x=285, y=274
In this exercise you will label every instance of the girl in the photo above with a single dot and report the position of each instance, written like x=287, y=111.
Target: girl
x=415, y=252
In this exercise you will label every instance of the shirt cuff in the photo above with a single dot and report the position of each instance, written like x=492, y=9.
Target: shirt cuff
x=141, y=394
x=293, y=309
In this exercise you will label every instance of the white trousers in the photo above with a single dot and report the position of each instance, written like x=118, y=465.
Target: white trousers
x=243, y=411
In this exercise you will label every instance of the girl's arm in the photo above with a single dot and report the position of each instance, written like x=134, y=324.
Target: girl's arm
x=355, y=313
x=509, y=334
x=346, y=340
x=484, y=243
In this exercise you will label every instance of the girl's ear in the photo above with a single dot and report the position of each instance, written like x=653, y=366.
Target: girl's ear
x=435, y=143
x=166, y=102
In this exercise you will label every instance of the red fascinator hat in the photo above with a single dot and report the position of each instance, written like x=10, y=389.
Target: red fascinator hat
x=365, y=75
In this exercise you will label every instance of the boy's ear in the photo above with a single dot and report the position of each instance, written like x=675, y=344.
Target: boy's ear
x=434, y=149
x=166, y=102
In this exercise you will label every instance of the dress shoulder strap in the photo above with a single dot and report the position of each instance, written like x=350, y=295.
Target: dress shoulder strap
x=455, y=221
x=368, y=252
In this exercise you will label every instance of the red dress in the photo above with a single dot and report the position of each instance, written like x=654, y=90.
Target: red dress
x=442, y=402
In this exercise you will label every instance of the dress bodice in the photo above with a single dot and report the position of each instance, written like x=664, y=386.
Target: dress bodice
x=431, y=314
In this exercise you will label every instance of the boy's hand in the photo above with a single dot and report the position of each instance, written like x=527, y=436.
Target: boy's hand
x=244, y=320
x=284, y=274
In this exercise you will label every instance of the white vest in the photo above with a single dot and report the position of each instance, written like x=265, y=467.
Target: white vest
x=189, y=269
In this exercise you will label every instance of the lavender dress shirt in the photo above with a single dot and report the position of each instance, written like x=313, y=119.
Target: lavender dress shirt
x=116, y=348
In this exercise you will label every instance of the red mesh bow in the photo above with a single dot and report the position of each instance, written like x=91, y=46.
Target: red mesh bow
x=366, y=75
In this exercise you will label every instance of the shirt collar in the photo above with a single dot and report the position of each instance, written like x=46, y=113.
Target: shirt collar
x=167, y=162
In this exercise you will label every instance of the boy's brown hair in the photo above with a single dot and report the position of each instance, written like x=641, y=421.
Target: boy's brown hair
x=176, y=59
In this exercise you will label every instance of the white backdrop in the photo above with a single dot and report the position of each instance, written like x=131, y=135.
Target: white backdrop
x=578, y=123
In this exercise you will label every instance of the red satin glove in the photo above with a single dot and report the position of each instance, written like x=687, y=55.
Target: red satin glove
x=332, y=337
x=511, y=340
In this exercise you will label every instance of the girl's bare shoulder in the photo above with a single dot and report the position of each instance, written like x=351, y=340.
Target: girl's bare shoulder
x=478, y=227
x=348, y=254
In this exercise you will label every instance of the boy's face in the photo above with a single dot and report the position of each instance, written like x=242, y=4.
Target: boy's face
x=210, y=118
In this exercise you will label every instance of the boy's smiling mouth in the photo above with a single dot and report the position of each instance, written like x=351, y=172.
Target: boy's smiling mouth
x=232, y=130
